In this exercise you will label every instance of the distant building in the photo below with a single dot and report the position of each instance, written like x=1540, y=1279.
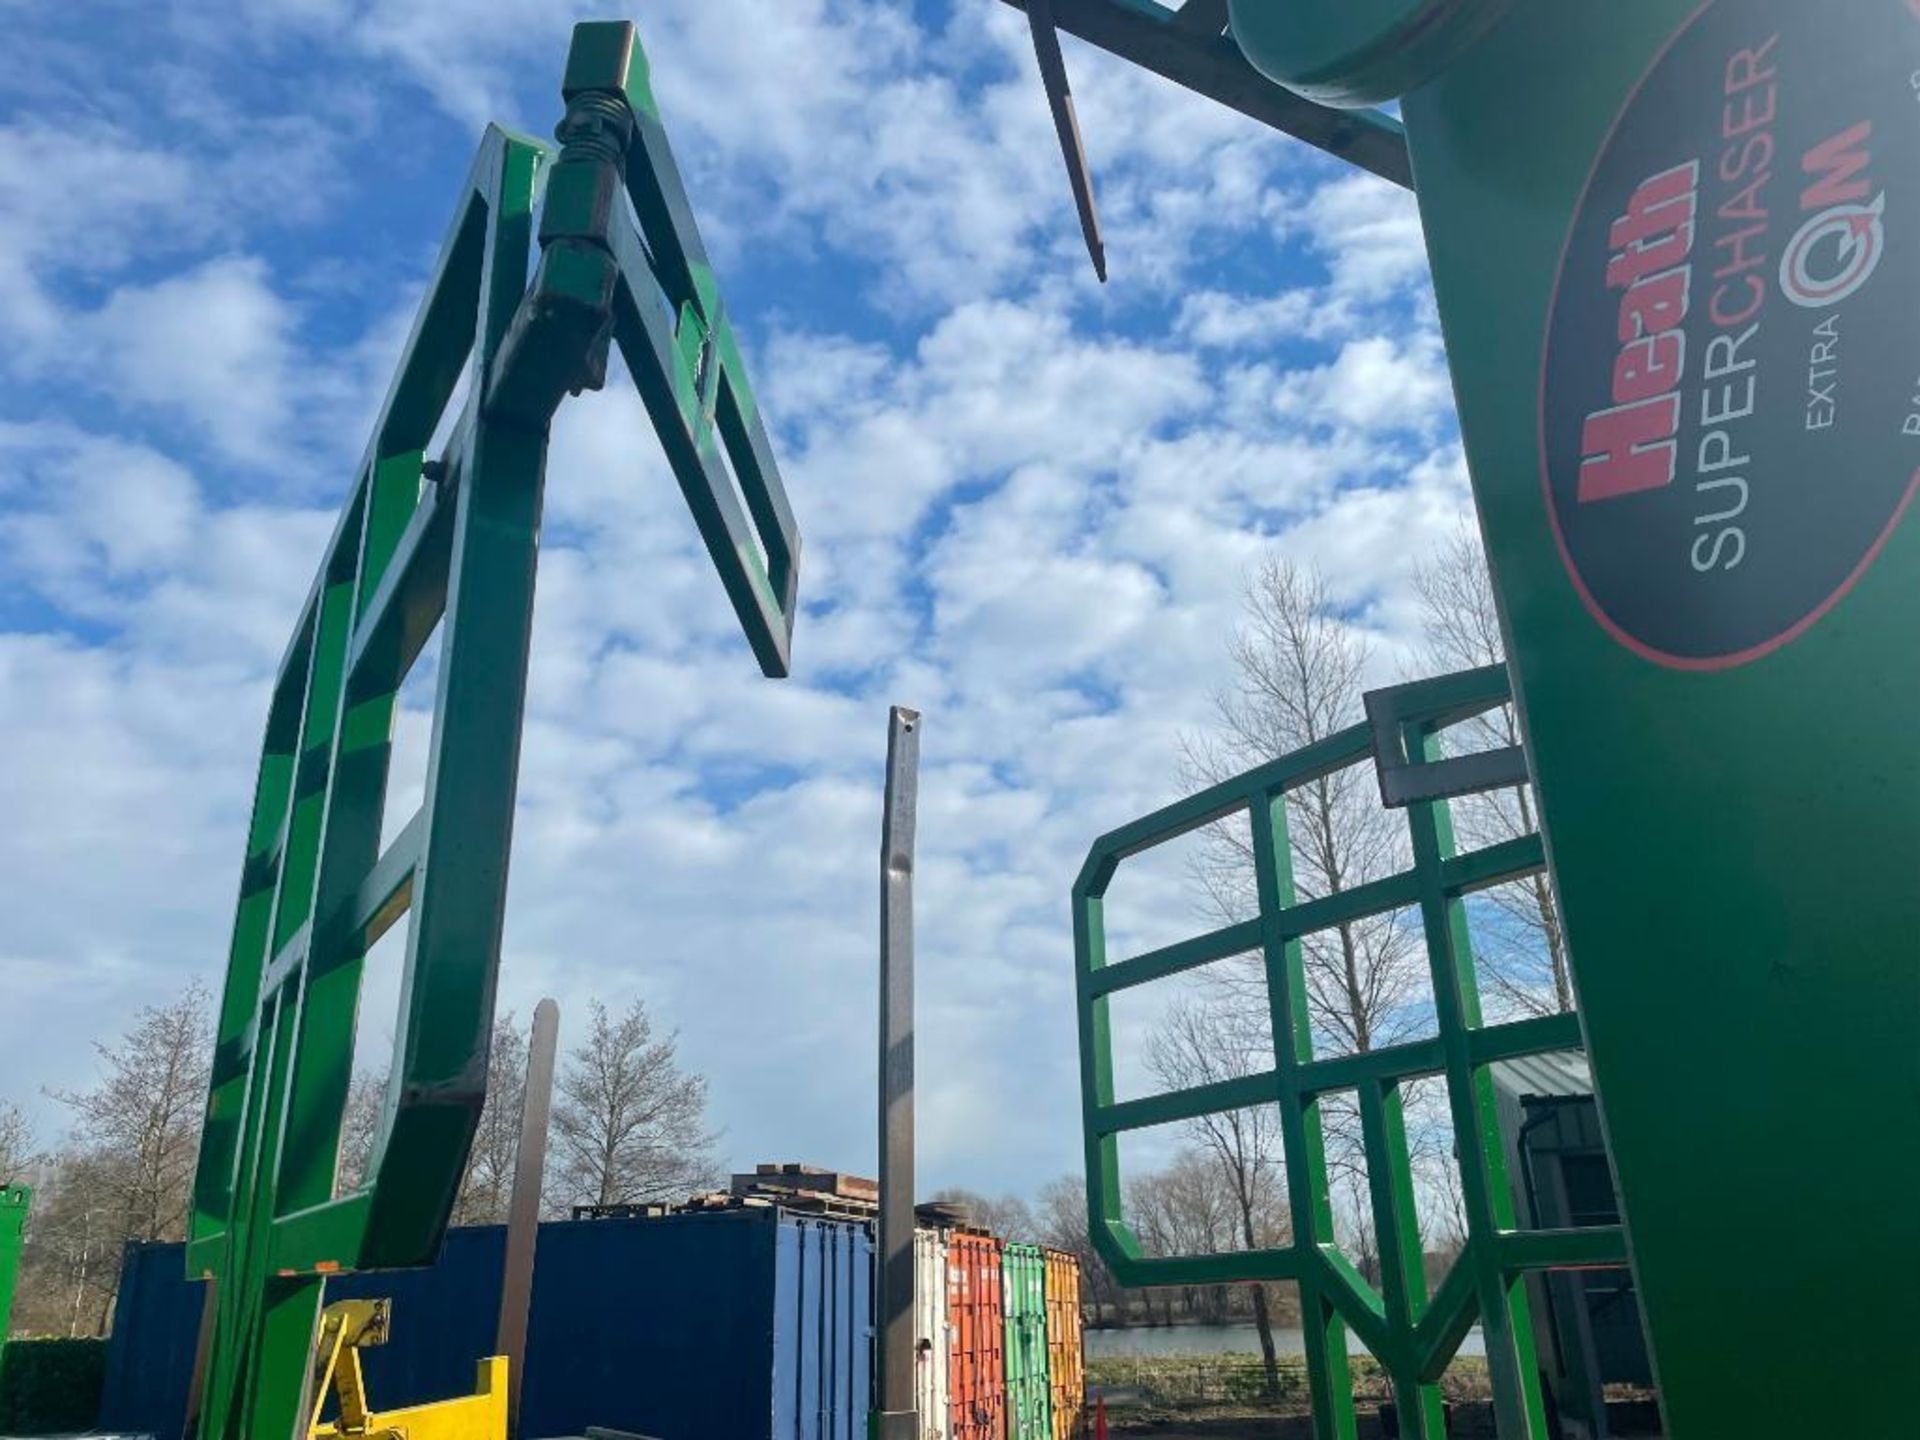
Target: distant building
x=1586, y=1322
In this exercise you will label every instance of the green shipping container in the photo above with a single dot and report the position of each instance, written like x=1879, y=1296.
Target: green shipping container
x=1029, y=1385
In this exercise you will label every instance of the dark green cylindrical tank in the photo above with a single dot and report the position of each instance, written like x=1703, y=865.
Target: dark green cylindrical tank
x=1360, y=52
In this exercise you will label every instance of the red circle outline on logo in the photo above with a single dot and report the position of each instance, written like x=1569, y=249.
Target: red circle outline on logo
x=1607, y=622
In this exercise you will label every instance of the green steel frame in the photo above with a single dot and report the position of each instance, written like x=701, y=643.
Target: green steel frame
x=1414, y=1334
x=1187, y=43
x=450, y=542
x=16, y=1201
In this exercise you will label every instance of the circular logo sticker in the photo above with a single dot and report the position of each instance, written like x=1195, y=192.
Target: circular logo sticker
x=1730, y=397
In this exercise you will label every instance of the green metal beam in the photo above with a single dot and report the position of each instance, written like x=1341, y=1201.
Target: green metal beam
x=1186, y=47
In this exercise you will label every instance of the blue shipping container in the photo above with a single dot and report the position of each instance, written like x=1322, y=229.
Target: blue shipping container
x=744, y=1323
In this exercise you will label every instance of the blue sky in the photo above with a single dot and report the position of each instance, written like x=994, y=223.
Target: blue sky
x=1029, y=503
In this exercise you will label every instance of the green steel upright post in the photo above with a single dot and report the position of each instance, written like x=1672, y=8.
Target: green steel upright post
x=1676, y=247
x=15, y=1203
x=448, y=542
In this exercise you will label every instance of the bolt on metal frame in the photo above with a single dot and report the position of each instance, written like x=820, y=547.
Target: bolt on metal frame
x=1414, y=1333
x=451, y=542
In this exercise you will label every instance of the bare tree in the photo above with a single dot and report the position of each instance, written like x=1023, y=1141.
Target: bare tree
x=1301, y=668
x=629, y=1125
x=141, y=1123
x=70, y=1268
x=1442, y=1181
x=1061, y=1219
x=1182, y=1209
x=1007, y=1216
x=360, y=1129
x=1300, y=676
x=1061, y=1215
x=1520, y=948
x=1202, y=1043
x=486, y=1190
x=487, y=1184
x=1190, y=1207
x=16, y=1143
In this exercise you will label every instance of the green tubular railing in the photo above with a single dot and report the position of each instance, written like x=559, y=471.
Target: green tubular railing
x=1412, y=1332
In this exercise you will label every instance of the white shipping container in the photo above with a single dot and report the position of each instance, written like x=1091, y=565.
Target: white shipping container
x=933, y=1335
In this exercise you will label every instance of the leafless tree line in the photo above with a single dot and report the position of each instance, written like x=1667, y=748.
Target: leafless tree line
x=1186, y=1207
x=628, y=1125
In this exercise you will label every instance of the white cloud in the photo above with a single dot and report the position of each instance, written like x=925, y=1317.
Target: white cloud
x=110, y=189
x=1024, y=511
x=1220, y=321
x=212, y=346
x=121, y=777
x=1369, y=230
x=84, y=511
x=1376, y=383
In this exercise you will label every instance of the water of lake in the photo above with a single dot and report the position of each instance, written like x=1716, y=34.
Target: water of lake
x=1218, y=1340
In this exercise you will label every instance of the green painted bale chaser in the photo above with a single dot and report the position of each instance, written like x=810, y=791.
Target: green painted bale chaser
x=447, y=541
x=1670, y=241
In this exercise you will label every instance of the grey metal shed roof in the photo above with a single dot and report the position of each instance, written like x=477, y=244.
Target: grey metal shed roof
x=1559, y=1073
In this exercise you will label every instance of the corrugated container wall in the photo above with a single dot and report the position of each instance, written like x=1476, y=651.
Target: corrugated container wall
x=977, y=1377
x=751, y=1323
x=933, y=1335
x=1029, y=1392
x=1066, y=1345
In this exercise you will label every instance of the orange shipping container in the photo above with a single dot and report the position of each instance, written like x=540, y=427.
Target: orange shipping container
x=976, y=1373
x=1066, y=1346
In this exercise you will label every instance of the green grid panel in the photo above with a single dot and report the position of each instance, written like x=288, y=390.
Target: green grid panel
x=450, y=543
x=1414, y=1334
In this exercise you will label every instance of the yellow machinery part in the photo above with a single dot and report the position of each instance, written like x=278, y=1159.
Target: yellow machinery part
x=346, y=1327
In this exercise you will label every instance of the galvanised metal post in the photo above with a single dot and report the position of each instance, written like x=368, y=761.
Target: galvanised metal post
x=523, y=1205
x=895, y=1417
x=1676, y=247
x=449, y=541
x=16, y=1201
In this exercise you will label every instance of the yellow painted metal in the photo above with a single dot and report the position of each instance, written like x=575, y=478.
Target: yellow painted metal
x=348, y=1326
x=1066, y=1348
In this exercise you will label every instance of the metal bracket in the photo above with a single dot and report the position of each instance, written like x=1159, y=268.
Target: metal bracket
x=1182, y=45
x=1429, y=705
x=1053, y=76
